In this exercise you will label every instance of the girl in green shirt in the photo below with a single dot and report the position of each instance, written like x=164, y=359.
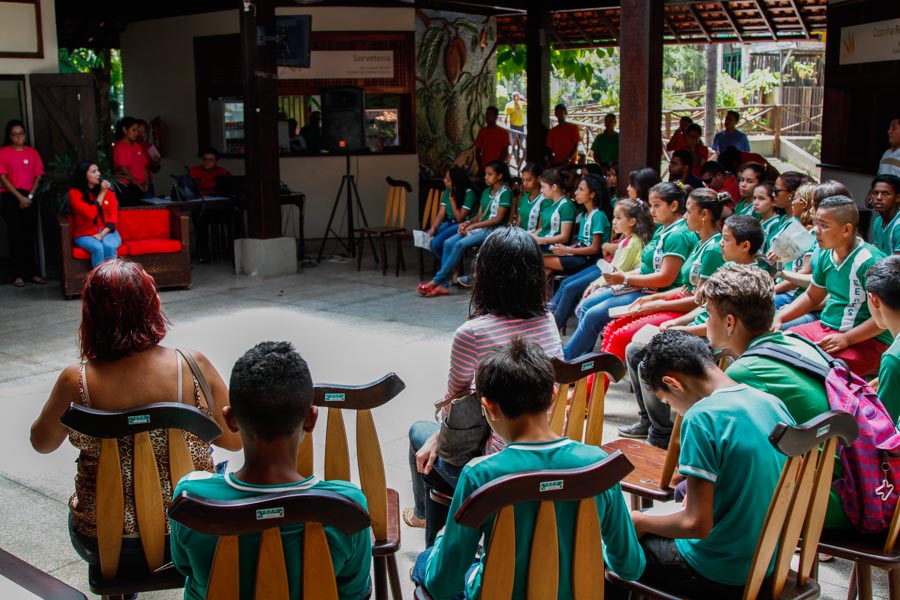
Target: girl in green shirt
x=457, y=203
x=591, y=194
x=532, y=201
x=771, y=218
x=557, y=217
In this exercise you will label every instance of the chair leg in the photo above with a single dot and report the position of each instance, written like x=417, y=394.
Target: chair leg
x=864, y=581
x=359, y=251
x=401, y=262
x=382, y=246
x=894, y=583
x=380, y=568
x=394, y=576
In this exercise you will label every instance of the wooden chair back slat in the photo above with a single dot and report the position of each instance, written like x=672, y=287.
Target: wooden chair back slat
x=817, y=509
x=593, y=435
x=337, y=450
x=558, y=412
x=224, y=577
x=180, y=463
x=436, y=205
x=305, y=456
x=672, y=454
x=148, y=502
x=432, y=204
x=587, y=553
x=893, y=532
x=110, y=499
x=371, y=472
x=318, y=571
x=578, y=411
x=570, y=419
x=387, y=207
x=543, y=564
x=793, y=525
x=400, y=220
x=498, y=578
x=271, y=572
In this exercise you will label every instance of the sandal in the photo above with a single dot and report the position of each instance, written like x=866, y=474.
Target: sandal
x=423, y=288
x=436, y=291
x=410, y=518
x=19, y=282
x=38, y=280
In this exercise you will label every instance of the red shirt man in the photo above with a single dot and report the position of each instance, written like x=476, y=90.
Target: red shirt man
x=492, y=142
x=206, y=172
x=563, y=139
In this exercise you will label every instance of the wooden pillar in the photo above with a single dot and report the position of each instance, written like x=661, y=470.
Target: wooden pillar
x=537, y=69
x=260, y=119
x=640, y=122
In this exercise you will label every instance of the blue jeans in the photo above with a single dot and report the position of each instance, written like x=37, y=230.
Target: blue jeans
x=569, y=294
x=418, y=571
x=443, y=476
x=454, y=247
x=444, y=231
x=100, y=250
x=594, y=319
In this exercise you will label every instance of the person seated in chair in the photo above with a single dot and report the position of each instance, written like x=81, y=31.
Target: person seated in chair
x=206, y=172
x=705, y=549
x=271, y=409
x=883, y=289
x=515, y=384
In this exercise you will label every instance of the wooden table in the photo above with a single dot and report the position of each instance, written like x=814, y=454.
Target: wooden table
x=22, y=581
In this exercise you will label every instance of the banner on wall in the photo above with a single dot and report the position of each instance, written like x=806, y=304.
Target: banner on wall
x=344, y=64
x=871, y=42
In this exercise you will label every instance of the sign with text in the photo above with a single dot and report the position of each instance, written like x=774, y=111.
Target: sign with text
x=872, y=42
x=344, y=64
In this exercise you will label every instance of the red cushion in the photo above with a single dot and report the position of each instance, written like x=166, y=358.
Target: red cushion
x=80, y=253
x=144, y=225
x=159, y=246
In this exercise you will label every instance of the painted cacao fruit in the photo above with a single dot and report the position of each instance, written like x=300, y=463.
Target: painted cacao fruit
x=454, y=59
x=453, y=126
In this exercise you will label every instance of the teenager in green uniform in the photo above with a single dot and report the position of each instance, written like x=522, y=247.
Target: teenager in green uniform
x=769, y=216
x=749, y=175
x=739, y=300
x=705, y=549
x=532, y=201
x=845, y=329
x=883, y=288
x=457, y=203
x=593, y=232
x=558, y=216
x=885, y=196
x=515, y=383
x=270, y=396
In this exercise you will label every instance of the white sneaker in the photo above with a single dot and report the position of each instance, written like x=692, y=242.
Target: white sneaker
x=466, y=281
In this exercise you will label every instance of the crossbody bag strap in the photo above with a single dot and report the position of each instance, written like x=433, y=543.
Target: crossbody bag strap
x=201, y=379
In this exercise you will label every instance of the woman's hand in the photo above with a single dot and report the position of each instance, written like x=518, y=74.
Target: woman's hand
x=559, y=249
x=98, y=236
x=463, y=227
x=614, y=278
x=593, y=287
x=104, y=185
x=24, y=201
x=427, y=454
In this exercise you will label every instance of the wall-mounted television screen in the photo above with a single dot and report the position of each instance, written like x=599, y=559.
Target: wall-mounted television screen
x=293, y=33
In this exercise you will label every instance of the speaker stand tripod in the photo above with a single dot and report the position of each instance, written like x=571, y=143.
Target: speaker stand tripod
x=348, y=183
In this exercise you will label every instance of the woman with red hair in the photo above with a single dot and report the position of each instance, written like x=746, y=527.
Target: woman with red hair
x=122, y=367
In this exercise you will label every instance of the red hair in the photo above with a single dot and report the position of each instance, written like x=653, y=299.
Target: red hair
x=120, y=312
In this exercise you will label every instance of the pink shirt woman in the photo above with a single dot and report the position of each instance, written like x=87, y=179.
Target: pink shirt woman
x=20, y=174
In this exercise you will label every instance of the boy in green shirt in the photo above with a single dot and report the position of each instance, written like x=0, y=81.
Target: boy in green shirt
x=515, y=383
x=883, y=290
x=885, y=196
x=270, y=397
x=705, y=550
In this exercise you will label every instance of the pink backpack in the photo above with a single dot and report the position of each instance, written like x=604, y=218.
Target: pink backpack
x=870, y=485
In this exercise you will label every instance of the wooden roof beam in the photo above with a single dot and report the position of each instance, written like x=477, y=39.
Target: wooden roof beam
x=582, y=31
x=699, y=21
x=606, y=23
x=731, y=21
x=800, y=17
x=765, y=15
x=671, y=26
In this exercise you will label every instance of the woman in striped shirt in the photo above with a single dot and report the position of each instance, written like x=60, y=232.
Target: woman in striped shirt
x=509, y=300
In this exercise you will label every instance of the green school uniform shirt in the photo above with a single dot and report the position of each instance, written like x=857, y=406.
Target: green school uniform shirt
x=468, y=206
x=886, y=237
x=554, y=214
x=193, y=552
x=725, y=440
x=491, y=203
x=702, y=262
x=530, y=210
x=771, y=227
x=745, y=207
x=593, y=223
x=889, y=380
x=802, y=394
x=675, y=239
x=455, y=548
x=845, y=282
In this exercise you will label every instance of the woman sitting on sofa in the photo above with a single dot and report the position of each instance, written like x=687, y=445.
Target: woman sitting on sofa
x=96, y=213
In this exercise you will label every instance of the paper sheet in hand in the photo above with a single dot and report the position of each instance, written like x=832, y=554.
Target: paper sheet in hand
x=619, y=311
x=791, y=242
x=644, y=335
x=605, y=266
x=421, y=239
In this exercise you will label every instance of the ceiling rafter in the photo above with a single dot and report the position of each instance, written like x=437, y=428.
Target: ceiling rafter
x=731, y=21
x=699, y=21
x=765, y=15
x=800, y=18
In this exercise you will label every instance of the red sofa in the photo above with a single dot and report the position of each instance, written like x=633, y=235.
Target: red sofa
x=157, y=238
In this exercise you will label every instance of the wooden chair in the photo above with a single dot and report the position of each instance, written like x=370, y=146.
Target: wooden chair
x=797, y=510
x=394, y=226
x=230, y=519
x=580, y=419
x=429, y=214
x=108, y=580
x=384, y=502
x=569, y=485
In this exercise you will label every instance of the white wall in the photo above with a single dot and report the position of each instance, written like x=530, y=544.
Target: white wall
x=158, y=73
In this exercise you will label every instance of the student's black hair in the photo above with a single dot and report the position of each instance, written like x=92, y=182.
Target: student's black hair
x=883, y=280
x=670, y=193
x=597, y=185
x=518, y=376
x=141, y=122
x=685, y=157
x=613, y=166
x=792, y=180
x=770, y=189
x=643, y=222
x=123, y=125
x=209, y=150
x=843, y=208
x=891, y=180
x=711, y=167
x=9, y=127
x=672, y=351
x=730, y=158
x=459, y=185
x=270, y=390
x=642, y=180
x=613, y=115
x=509, y=276
x=79, y=180
x=533, y=168
x=694, y=127
x=708, y=200
x=758, y=169
x=736, y=114
x=746, y=228
x=493, y=109
x=501, y=169
x=560, y=106
x=829, y=188
x=683, y=117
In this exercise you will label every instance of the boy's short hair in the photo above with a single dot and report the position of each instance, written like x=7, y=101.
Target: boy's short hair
x=685, y=157
x=694, y=127
x=518, y=376
x=883, y=280
x=674, y=351
x=711, y=167
x=745, y=291
x=735, y=114
x=745, y=228
x=492, y=109
x=271, y=390
x=842, y=208
x=891, y=180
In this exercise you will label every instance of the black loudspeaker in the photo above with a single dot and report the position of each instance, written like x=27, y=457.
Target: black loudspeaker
x=343, y=119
